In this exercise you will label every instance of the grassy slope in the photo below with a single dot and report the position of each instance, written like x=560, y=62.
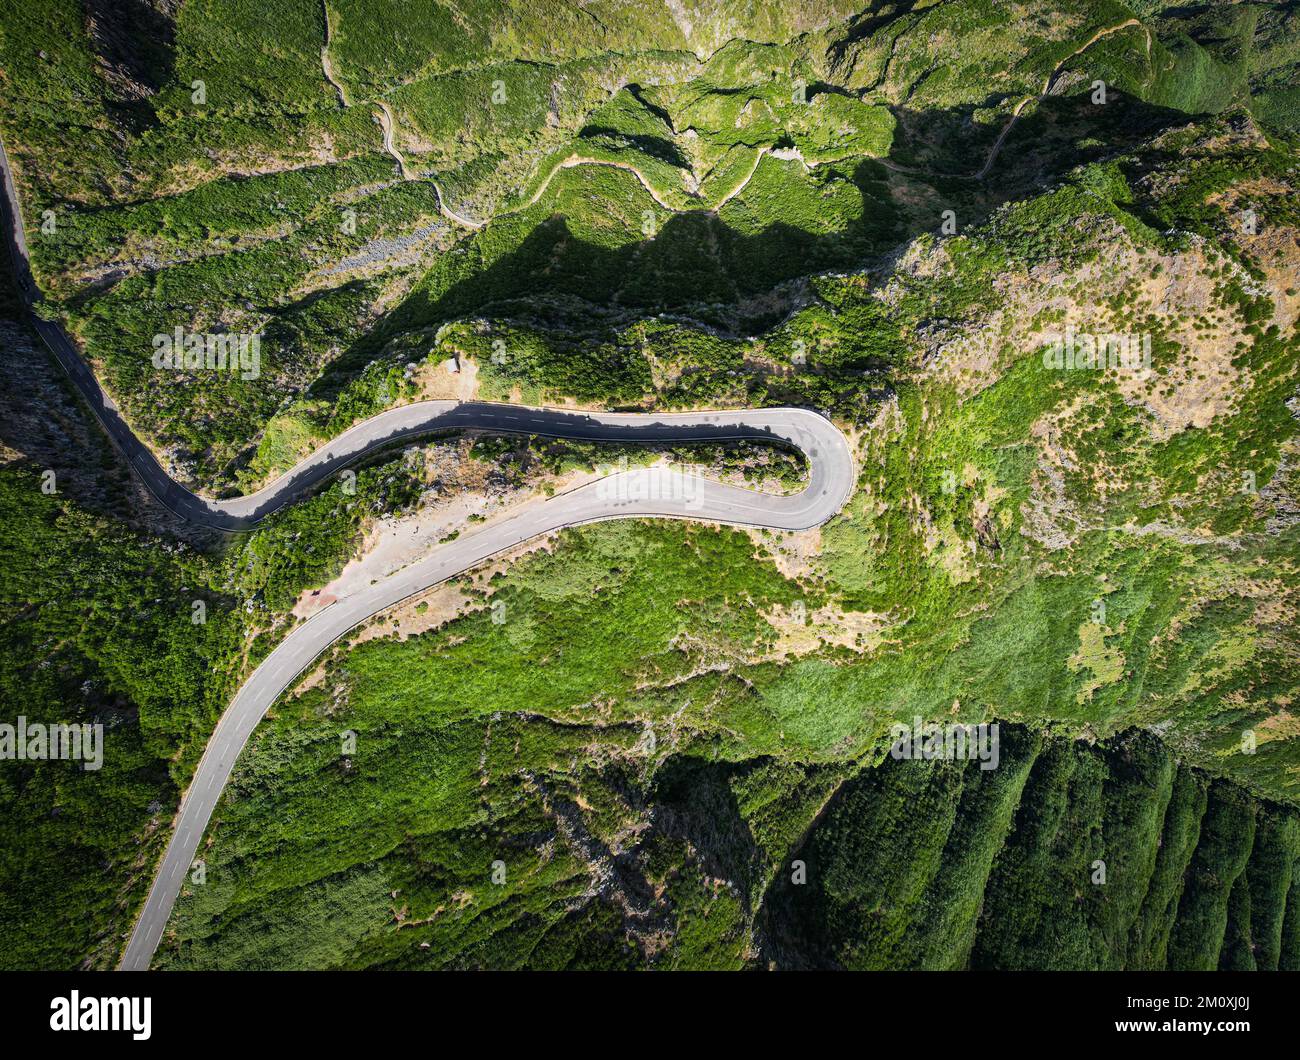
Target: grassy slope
x=1006, y=635
x=1005, y=632
x=156, y=189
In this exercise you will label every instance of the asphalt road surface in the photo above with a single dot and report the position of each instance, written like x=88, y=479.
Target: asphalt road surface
x=643, y=492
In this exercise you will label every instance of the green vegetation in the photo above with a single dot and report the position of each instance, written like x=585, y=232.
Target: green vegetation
x=1081, y=607
x=226, y=213
x=622, y=206
x=1084, y=878
x=110, y=640
x=1057, y=859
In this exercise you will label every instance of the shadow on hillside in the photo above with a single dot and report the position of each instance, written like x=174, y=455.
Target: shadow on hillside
x=948, y=147
x=746, y=282
x=134, y=41
x=696, y=261
x=695, y=804
x=878, y=15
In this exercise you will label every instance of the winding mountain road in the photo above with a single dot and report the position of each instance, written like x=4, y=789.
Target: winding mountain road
x=644, y=492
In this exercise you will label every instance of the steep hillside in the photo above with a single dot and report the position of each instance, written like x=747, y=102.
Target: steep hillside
x=1041, y=264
